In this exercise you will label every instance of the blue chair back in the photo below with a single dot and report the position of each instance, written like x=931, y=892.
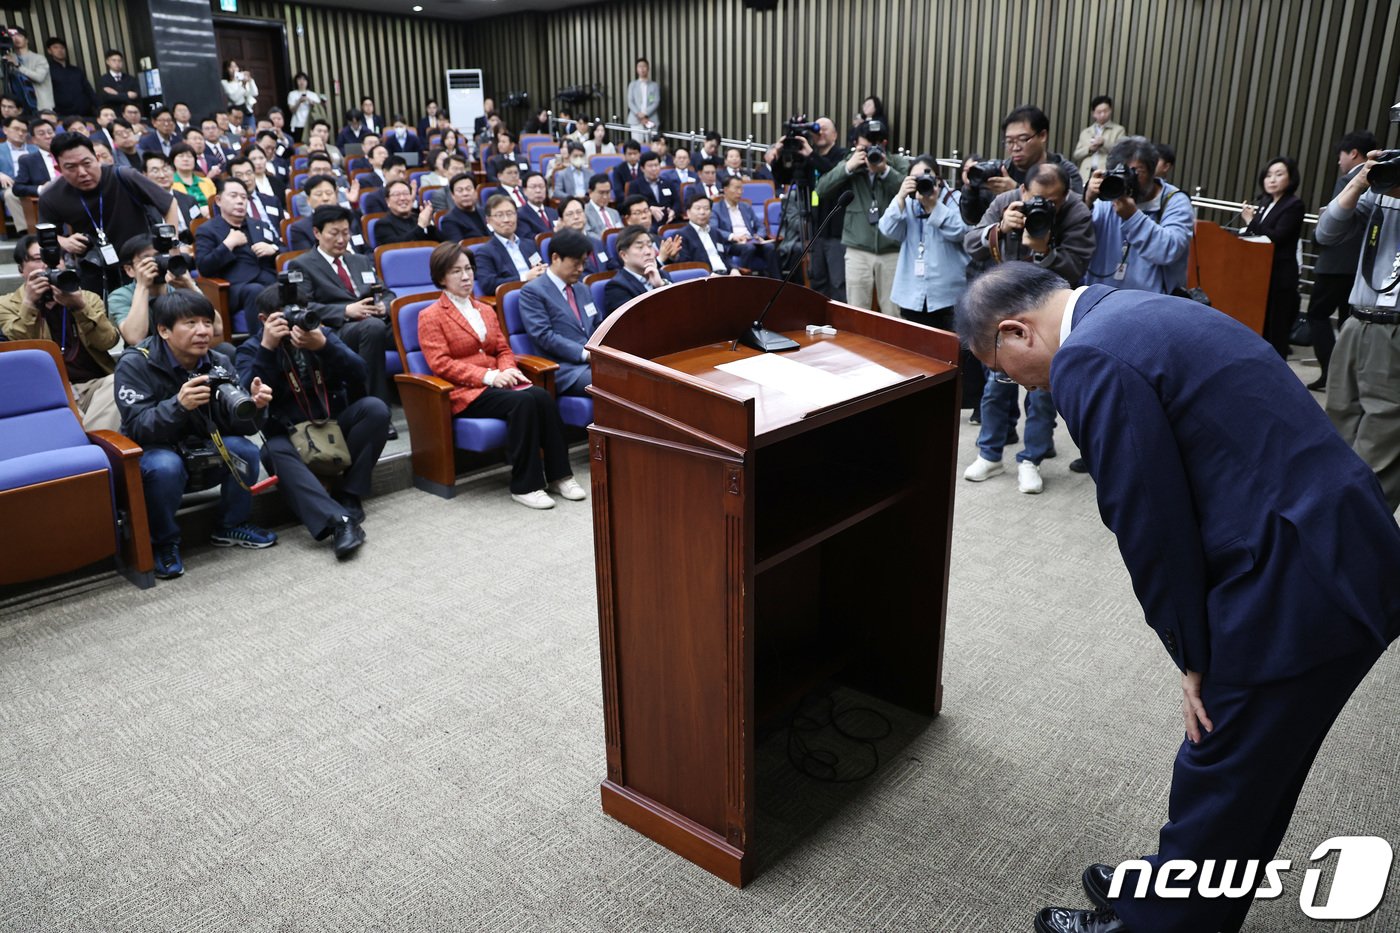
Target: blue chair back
x=356, y=164
x=538, y=153
x=414, y=177
x=519, y=341
x=34, y=411
x=685, y=275
x=597, y=289
x=476, y=282
x=370, y=241
x=484, y=195
x=545, y=166
x=543, y=246
x=299, y=164
x=405, y=271
x=757, y=192
x=611, y=245
x=408, y=333
x=523, y=144
x=604, y=162
x=773, y=215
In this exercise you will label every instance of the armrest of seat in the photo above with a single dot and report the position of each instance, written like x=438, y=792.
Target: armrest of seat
x=427, y=404
x=537, y=369
x=217, y=291
x=124, y=455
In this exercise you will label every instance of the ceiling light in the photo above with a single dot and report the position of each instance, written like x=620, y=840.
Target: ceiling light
x=418, y=9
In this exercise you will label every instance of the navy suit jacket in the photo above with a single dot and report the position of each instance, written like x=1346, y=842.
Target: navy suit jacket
x=494, y=266
x=720, y=220
x=239, y=265
x=151, y=142
x=672, y=200
x=692, y=250
x=1259, y=545
x=556, y=330
x=411, y=143
x=31, y=175
x=530, y=224
x=458, y=224
x=622, y=288
x=622, y=176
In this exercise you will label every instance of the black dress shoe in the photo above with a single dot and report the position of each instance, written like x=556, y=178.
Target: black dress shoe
x=393, y=433
x=1067, y=920
x=351, y=504
x=348, y=538
x=1012, y=437
x=1097, y=880
x=1077, y=465
x=975, y=417
x=1319, y=385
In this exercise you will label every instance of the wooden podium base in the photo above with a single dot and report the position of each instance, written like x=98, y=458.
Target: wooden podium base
x=685, y=837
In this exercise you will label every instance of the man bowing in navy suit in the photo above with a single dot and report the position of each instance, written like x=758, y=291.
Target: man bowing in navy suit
x=1231, y=497
x=559, y=314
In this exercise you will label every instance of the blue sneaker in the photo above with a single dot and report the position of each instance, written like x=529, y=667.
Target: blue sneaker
x=244, y=535
x=168, y=565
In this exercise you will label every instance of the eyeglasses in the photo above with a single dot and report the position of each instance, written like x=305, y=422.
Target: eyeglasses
x=997, y=374
x=1017, y=142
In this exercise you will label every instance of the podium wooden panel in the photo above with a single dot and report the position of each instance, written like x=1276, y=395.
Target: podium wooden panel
x=1234, y=273
x=754, y=543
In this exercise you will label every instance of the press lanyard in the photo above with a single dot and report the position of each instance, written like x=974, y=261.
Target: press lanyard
x=1368, y=256
x=101, y=212
x=919, y=267
x=303, y=400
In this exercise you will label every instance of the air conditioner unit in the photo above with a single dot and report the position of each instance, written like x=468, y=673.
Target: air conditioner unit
x=465, y=98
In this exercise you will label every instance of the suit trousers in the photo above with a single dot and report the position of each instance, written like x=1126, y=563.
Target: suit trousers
x=532, y=423
x=370, y=337
x=1363, y=398
x=826, y=267
x=365, y=424
x=1329, y=293
x=1234, y=793
x=16, y=208
x=866, y=272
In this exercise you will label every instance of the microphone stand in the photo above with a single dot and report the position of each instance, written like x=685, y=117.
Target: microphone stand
x=769, y=341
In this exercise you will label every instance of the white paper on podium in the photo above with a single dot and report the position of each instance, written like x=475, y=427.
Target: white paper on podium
x=817, y=388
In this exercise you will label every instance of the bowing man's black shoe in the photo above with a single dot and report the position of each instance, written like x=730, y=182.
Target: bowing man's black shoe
x=1097, y=880
x=348, y=537
x=1077, y=465
x=1067, y=920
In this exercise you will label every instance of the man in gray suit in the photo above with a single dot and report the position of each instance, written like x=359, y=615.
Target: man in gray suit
x=643, y=101
x=598, y=216
x=559, y=314
x=344, y=289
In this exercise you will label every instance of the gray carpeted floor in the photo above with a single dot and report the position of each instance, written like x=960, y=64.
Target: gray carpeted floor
x=413, y=741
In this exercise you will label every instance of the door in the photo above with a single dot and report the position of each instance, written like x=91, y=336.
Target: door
x=261, y=50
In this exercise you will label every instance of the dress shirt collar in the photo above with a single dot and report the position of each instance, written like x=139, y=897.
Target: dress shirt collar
x=558, y=282
x=1067, y=322
x=331, y=259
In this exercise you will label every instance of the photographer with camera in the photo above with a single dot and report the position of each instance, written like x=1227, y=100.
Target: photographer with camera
x=104, y=206
x=49, y=305
x=321, y=424
x=1026, y=134
x=1046, y=224
x=1142, y=225
x=344, y=291
x=874, y=177
x=1361, y=383
x=155, y=266
x=810, y=154
x=183, y=403
x=926, y=218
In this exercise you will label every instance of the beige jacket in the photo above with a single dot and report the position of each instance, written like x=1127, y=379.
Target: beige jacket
x=20, y=320
x=1088, y=162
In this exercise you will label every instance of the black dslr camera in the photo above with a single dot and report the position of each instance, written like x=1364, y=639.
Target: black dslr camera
x=925, y=185
x=229, y=394
x=1040, y=216
x=791, y=165
x=58, y=275
x=1385, y=174
x=1117, y=182
x=164, y=241
x=289, y=297
x=875, y=155
x=978, y=172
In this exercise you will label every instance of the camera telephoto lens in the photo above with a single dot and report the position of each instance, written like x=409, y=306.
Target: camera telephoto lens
x=925, y=185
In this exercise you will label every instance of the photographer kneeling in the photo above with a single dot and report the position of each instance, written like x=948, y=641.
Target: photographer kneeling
x=1043, y=222
x=155, y=266
x=182, y=402
x=323, y=423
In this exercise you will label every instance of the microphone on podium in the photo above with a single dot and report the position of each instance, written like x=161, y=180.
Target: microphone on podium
x=758, y=336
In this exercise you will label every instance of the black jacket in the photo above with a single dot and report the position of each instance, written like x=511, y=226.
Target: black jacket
x=72, y=93
x=342, y=369
x=147, y=382
x=622, y=288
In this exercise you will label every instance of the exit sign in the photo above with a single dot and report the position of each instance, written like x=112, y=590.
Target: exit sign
x=228, y=6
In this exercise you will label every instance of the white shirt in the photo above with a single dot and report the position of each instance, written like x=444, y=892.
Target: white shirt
x=517, y=255
x=470, y=312
x=716, y=262
x=1067, y=322
x=736, y=220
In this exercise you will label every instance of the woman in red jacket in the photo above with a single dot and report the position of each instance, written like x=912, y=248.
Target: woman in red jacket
x=462, y=343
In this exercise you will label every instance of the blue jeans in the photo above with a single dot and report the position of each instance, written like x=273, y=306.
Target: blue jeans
x=999, y=416
x=163, y=478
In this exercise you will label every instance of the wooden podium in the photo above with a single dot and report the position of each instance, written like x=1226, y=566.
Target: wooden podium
x=758, y=533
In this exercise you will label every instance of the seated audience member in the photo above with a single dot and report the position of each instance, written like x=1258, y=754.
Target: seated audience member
x=505, y=257
x=680, y=175
x=464, y=221
x=571, y=217
x=38, y=169
x=376, y=199
x=168, y=407
x=129, y=306
x=708, y=185
x=373, y=121
x=181, y=112
x=321, y=191
x=233, y=246
x=640, y=272
x=1143, y=238
x=662, y=147
x=285, y=143
x=734, y=168
x=319, y=140
x=663, y=200
x=463, y=344
x=102, y=133
x=503, y=153
x=231, y=135
x=436, y=160
x=103, y=153
x=455, y=164
x=432, y=116
x=637, y=213
x=187, y=180
x=346, y=195
x=269, y=190
x=15, y=147
x=1279, y=216
x=162, y=135
x=738, y=225
x=131, y=113
x=313, y=377
x=709, y=149
x=451, y=142
x=536, y=216
x=278, y=156
x=208, y=160
x=599, y=216
x=558, y=313
x=344, y=290
x=597, y=142
x=700, y=242
x=629, y=169
x=156, y=167
x=377, y=155
x=75, y=320
x=213, y=146
x=124, y=140
x=404, y=222
x=508, y=176
x=354, y=131
x=571, y=178
x=399, y=138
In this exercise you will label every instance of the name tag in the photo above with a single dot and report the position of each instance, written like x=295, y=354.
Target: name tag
x=194, y=211
x=590, y=310
x=268, y=234
x=1388, y=299
x=357, y=239
x=603, y=258
x=273, y=211
x=666, y=192
x=367, y=277
x=280, y=169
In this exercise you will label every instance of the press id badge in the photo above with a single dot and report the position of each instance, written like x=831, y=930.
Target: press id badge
x=873, y=215
x=1121, y=272
x=919, y=267
x=109, y=254
x=1388, y=299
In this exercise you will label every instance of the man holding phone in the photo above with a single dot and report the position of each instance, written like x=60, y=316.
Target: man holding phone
x=344, y=289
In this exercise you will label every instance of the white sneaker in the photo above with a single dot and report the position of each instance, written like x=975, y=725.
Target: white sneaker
x=568, y=488
x=1028, y=476
x=982, y=468
x=538, y=499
